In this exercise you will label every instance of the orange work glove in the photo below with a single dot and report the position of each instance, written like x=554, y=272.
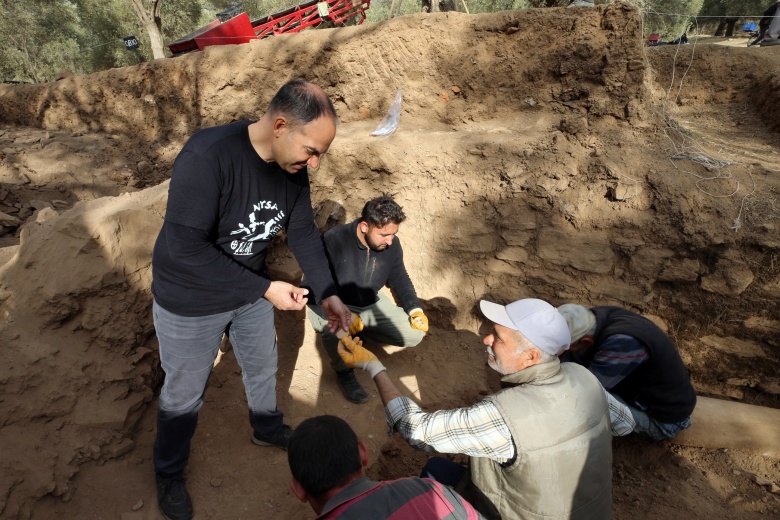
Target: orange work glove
x=418, y=320
x=356, y=325
x=352, y=352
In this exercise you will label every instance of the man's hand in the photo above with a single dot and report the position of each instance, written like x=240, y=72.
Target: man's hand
x=339, y=316
x=286, y=297
x=353, y=353
x=354, y=327
x=418, y=320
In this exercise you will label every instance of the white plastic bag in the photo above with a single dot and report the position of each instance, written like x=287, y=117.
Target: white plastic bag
x=390, y=122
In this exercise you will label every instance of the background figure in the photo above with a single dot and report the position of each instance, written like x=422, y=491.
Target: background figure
x=209, y=271
x=636, y=362
x=366, y=255
x=328, y=465
x=769, y=26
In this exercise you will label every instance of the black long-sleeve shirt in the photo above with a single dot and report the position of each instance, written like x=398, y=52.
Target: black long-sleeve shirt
x=225, y=204
x=360, y=272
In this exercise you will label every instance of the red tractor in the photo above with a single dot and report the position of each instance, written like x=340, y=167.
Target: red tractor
x=233, y=26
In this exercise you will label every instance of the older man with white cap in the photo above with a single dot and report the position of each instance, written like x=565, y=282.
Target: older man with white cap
x=539, y=448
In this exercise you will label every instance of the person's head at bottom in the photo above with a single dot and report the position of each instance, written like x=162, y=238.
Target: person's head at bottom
x=324, y=455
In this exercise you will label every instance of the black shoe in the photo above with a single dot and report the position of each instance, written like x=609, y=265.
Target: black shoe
x=350, y=387
x=173, y=498
x=280, y=439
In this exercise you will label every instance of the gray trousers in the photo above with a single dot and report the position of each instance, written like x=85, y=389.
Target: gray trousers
x=385, y=323
x=188, y=348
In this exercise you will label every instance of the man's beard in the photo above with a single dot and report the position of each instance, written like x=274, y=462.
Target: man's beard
x=495, y=364
x=373, y=246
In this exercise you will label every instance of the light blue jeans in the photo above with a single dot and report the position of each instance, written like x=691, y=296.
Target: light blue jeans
x=188, y=348
x=385, y=324
x=653, y=428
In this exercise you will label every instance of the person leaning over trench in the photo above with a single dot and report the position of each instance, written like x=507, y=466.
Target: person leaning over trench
x=540, y=448
x=233, y=188
x=636, y=362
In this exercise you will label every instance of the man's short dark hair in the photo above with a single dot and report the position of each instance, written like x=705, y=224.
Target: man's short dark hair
x=323, y=454
x=382, y=211
x=301, y=102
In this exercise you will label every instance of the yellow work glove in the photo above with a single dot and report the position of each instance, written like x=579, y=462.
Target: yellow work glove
x=356, y=325
x=353, y=353
x=418, y=320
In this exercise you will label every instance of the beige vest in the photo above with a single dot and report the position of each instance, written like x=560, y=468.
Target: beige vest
x=557, y=414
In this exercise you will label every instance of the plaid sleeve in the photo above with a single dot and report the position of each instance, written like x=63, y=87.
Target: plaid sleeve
x=477, y=431
x=620, y=418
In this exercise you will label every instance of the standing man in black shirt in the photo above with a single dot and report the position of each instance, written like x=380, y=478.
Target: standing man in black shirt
x=365, y=256
x=233, y=188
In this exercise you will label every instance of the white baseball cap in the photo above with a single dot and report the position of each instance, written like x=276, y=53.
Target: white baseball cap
x=535, y=319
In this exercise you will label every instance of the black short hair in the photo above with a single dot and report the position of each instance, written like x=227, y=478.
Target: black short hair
x=301, y=102
x=323, y=454
x=382, y=211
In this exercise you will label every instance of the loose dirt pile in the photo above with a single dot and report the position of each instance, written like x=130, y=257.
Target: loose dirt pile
x=581, y=168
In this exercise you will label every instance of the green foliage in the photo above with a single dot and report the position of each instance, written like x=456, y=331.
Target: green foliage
x=39, y=38
x=746, y=10
x=670, y=18
x=492, y=6
x=105, y=23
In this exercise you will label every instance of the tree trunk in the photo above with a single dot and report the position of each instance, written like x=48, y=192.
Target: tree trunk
x=149, y=15
x=730, y=24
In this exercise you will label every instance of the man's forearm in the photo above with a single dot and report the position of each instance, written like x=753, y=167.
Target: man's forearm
x=387, y=390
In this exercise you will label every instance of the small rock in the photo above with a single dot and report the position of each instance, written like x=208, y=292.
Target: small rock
x=774, y=489
x=512, y=30
x=143, y=167
x=9, y=220
x=531, y=102
x=138, y=505
x=39, y=204
x=216, y=482
x=123, y=447
x=761, y=481
x=770, y=387
x=25, y=178
x=456, y=90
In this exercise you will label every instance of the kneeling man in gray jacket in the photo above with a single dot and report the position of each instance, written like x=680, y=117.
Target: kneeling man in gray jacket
x=541, y=448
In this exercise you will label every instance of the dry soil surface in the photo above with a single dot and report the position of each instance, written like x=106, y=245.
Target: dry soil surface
x=585, y=168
